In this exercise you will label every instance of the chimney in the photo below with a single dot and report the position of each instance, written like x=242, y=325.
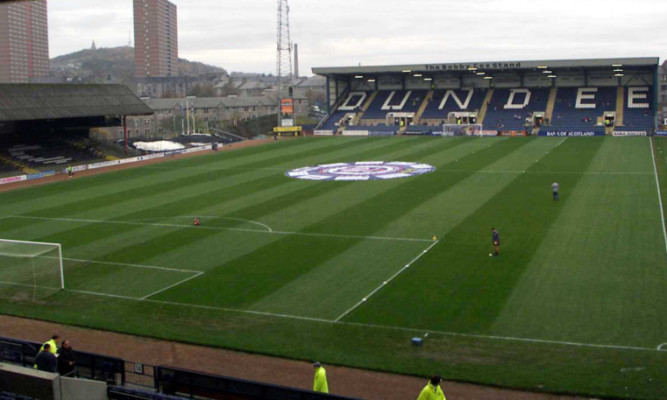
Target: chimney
x=296, y=60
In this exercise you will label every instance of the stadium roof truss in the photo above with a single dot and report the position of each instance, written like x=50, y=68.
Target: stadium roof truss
x=29, y=102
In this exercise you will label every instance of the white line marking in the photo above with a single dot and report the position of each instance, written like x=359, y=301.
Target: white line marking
x=268, y=228
x=421, y=330
x=172, y=286
x=134, y=265
x=116, y=296
x=386, y=282
x=660, y=347
x=559, y=143
x=218, y=168
x=504, y=338
x=30, y=286
x=657, y=185
x=204, y=307
x=516, y=171
x=331, y=235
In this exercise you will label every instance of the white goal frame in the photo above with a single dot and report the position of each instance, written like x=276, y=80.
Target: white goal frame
x=461, y=129
x=58, y=246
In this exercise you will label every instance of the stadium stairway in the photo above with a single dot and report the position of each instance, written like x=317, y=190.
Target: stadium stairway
x=551, y=103
x=364, y=107
x=485, y=106
x=620, y=103
x=422, y=107
x=17, y=164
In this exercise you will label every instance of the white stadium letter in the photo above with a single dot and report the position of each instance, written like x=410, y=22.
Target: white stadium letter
x=585, y=94
x=452, y=94
x=386, y=106
x=510, y=100
x=637, y=93
x=349, y=107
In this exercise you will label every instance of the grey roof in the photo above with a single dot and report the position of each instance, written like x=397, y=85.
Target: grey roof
x=490, y=66
x=313, y=81
x=250, y=101
x=250, y=85
x=24, y=102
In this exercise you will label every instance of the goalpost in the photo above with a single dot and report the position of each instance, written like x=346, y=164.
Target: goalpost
x=34, y=268
x=461, y=129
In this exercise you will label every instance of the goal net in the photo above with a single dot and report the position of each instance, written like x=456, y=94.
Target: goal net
x=30, y=269
x=461, y=129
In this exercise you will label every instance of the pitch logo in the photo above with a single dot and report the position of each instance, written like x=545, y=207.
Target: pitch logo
x=360, y=171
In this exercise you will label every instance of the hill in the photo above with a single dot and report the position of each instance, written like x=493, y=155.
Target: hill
x=115, y=63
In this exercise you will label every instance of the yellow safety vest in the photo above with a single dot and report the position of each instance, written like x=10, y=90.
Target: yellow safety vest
x=320, y=381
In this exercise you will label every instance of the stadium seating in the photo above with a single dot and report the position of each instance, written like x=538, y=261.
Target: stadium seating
x=638, y=111
x=593, y=102
x=49, y=155
x=13, y=396
x=332, y=122
x=575, y=108
x=388, y=101
x=509, y=108
x=454, y=96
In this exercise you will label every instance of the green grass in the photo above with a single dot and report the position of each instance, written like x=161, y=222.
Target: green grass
x=575, y=304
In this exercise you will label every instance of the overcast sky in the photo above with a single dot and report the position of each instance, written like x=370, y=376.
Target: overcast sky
x=240, y=35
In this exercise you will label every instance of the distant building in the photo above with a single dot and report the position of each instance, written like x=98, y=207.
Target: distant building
x=155, y=39
x=24, y=41
x=208, y=112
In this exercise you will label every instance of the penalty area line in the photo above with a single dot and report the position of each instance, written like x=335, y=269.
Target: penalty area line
x=383, y=284
x=172, y=286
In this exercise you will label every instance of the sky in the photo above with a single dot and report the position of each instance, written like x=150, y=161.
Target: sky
x=240, y=35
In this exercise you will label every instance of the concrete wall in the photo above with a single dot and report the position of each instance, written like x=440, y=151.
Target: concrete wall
x=72, y=388
x=29, y=382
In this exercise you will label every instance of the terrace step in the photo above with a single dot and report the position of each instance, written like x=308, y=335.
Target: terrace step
x=620, y=96
x=551, y=103
x=423, y=106
x=485, y=106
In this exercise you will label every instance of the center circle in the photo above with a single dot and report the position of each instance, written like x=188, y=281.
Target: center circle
x=360, y=171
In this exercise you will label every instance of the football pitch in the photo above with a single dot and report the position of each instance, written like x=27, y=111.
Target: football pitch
x=348, y=272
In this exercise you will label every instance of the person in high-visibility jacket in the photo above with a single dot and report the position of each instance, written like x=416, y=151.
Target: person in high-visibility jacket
x=432, y=390
x=320, y=382
x=53, y=347
x=52, y=343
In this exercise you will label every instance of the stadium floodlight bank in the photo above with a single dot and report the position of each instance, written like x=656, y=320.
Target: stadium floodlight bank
x=30, y=268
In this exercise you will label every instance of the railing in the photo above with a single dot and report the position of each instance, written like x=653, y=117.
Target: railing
x=159, y=382
x=88, y=365
x=194, y=384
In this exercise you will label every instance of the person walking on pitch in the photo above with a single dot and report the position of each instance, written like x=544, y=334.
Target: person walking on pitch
x=495, y=239
x=554, y=188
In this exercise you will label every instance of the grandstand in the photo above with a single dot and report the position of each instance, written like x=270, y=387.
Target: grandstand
x=591, y=97
x=45, y=127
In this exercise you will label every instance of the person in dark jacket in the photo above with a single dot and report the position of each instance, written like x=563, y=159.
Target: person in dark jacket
x=66, y=360
x=45, y=360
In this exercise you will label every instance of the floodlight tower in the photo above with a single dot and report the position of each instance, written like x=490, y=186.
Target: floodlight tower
x=284, y=70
